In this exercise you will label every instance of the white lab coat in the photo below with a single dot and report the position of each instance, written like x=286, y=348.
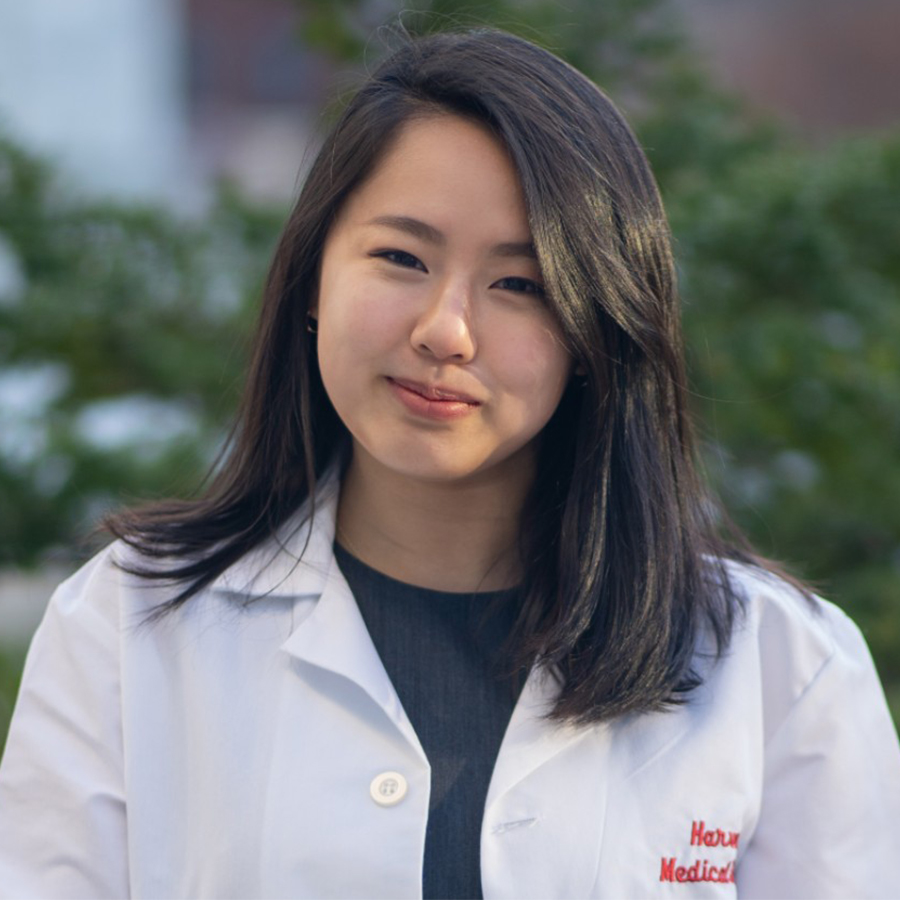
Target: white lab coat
x=229, y=752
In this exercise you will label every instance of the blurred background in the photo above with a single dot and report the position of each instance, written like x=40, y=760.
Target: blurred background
x=149, y=150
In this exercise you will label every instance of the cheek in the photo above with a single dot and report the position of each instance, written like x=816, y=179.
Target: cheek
x=357, y=321
x=539, y=369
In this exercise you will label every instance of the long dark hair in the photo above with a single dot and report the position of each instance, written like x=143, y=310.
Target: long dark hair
x=623, y=568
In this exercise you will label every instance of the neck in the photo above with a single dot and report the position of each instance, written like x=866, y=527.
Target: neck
x=458, y=535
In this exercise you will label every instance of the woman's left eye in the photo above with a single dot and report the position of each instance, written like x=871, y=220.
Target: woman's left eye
x=520, y=286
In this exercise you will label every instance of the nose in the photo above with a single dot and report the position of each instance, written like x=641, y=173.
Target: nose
x=443, y=329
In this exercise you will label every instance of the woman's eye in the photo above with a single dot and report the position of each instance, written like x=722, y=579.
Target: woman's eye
x=520, y=286
x=401, y=258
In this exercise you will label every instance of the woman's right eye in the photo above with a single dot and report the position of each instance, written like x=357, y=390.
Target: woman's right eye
x=400, y=258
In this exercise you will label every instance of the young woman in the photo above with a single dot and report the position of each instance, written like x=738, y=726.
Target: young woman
x=453, y=619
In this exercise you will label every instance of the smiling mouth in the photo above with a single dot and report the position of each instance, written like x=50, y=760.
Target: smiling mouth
x=434, y=394
x=433, y=403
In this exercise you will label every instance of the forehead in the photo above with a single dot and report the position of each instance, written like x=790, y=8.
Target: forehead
x=442, y=169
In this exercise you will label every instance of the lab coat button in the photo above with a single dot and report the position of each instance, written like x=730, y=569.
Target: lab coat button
x=388, y=788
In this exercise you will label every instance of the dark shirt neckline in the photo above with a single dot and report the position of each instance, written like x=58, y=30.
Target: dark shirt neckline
x=404, y=588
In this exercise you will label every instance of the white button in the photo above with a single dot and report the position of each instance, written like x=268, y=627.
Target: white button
x=388, y=788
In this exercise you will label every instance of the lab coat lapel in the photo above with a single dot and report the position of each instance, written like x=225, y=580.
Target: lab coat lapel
x=546, y=806
x=530, y=740
x=333, y=636
x=328, y=629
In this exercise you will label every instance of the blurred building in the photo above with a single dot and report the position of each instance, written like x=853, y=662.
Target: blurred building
x=152, y=99
x=826, y=67
x=253, y=91
x=156, y=98
x=97, y=85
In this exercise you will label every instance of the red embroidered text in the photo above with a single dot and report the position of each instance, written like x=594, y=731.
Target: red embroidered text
x=698, y=871
x=702, y=869
x=701, y=837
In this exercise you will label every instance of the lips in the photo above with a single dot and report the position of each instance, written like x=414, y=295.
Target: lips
x=436, y=403
x=438, y=393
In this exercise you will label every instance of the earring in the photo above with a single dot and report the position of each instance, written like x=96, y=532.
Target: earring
x=312, y=323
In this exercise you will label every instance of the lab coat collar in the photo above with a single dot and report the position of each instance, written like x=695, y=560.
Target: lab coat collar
x=329, y=631
x=299, y=561
x=334, y=637
x=295, y=561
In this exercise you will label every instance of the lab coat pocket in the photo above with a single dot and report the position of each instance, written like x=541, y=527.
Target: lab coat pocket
x=685, y=802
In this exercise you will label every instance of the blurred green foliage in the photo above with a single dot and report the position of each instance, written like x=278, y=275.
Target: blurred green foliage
x=12, y=660
x=789, y=266
x=791, y=273
x=122, y=345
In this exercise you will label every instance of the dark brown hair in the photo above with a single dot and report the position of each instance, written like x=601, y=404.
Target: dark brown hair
x=623, y=565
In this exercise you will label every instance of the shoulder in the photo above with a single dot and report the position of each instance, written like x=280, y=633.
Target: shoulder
x=790, y=642
x=816, y=713
x=96, y=586
x=783, y=622
x=106, y=587
x=293, y=560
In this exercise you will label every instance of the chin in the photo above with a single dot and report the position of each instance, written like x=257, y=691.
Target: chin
x=423, y=468
x=448, y=464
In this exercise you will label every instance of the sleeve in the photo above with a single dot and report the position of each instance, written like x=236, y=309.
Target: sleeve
x=829, y=823
x=62, y=798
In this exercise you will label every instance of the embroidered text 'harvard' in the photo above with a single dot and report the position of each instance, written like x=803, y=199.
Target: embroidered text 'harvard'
x=702, y=869
x=703, y=837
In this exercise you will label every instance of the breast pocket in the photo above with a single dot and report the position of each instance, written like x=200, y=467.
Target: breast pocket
x=680, y=815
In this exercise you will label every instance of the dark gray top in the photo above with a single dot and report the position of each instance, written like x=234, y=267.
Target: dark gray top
x=441, y=656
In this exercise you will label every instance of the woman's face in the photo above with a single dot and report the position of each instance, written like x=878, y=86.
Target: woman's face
x=436, y=346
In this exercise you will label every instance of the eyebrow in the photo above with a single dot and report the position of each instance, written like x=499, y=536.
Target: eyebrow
x=425, y=232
